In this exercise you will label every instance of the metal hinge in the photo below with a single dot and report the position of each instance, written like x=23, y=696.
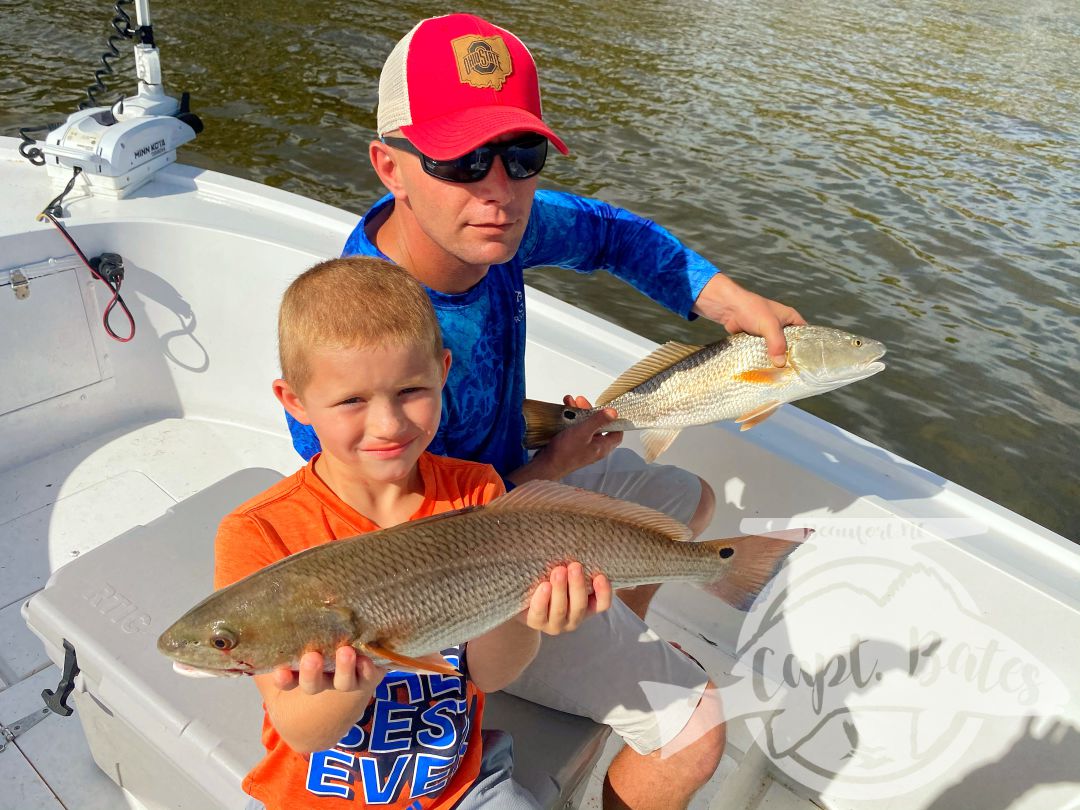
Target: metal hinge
x=55, y=700
x=20, y=285
x=9, y=733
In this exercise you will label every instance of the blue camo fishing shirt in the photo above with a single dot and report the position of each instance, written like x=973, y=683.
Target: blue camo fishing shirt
x=484, y=327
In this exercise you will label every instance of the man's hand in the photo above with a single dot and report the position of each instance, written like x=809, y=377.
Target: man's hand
x=353, y=673
x=573, y=448
x=739, y=310
x=565, y=600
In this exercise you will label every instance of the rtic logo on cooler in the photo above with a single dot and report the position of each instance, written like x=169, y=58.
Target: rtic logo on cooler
x=482, y=61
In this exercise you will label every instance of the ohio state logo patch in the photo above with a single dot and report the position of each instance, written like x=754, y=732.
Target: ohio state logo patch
x=482, y=61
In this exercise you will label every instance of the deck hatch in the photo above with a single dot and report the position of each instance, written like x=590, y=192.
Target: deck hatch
x=45, y=328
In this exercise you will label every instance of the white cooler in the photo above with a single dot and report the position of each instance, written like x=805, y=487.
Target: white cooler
x=176, y=742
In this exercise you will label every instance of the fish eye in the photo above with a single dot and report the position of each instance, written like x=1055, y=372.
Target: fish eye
x=223, y=639
x=569, y=415
x=856, y=342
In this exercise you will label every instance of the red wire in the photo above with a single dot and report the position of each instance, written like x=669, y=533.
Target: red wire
x=114, y=290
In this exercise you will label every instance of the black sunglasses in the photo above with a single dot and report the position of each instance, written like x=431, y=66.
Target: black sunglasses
x=522, y=158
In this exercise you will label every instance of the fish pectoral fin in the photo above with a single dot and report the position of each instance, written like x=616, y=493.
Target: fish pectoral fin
x=433, y=664
x=657, y=440
x=344, y=614
x=765, y=376
x=757, y=416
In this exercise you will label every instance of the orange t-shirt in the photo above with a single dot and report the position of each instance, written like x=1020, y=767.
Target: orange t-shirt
x=417, y=745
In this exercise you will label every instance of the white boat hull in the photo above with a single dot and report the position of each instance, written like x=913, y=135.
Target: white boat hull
x=99, y=437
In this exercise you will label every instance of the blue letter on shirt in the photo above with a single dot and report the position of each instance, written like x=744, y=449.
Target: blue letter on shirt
x=432, y=774
x=323, y=767
x=391, y=727
x=374, y=793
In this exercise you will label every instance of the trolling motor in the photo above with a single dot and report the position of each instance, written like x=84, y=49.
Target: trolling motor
x=119, y=148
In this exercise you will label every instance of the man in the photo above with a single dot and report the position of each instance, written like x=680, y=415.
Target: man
x=461, y=145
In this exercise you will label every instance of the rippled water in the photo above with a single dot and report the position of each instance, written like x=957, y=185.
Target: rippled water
x=908, y=170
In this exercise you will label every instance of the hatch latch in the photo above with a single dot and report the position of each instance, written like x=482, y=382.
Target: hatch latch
x=56, y=699
x=20, y=285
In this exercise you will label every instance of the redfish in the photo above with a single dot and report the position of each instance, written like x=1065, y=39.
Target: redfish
x=401, y=594
x=679, y=385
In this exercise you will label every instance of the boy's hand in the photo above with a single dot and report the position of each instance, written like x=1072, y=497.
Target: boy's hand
x=353, y=673
x=565, y=600
x=578, y=446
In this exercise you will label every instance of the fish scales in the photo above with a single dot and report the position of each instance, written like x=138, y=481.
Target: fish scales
x=686, y=392
x=475, y=568
x=419, y=587
x=679, y=386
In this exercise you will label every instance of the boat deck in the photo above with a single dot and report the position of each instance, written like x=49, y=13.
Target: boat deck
x=58, y=507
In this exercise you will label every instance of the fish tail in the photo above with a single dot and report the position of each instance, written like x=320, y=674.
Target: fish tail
x=752, y=560
x=543, y=420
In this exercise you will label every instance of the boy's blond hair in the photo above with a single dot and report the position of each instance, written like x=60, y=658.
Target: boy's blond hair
x=352, y=302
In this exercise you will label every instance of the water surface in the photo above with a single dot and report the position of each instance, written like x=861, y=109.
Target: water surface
x=909, y=171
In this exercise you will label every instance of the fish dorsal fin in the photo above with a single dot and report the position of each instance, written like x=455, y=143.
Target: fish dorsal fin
x=660, y=360
x=549, y=496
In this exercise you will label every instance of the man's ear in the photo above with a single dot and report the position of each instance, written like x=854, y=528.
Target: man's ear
x=385, y=163
x=290, y=401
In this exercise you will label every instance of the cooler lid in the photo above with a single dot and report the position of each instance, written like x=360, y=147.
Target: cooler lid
x=114, y=601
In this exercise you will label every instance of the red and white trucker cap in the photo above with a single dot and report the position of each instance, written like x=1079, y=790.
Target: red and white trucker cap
x=453, y=83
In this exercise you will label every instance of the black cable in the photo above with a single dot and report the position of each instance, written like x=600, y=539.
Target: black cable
x=121, y=23
x=29, y=148
x=55, y=206
x=110, y=273
x=113, y=282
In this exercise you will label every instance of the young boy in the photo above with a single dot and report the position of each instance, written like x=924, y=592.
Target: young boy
x=363, y=363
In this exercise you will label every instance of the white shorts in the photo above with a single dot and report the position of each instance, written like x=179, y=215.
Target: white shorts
x=626, y=475
x=604, y=669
